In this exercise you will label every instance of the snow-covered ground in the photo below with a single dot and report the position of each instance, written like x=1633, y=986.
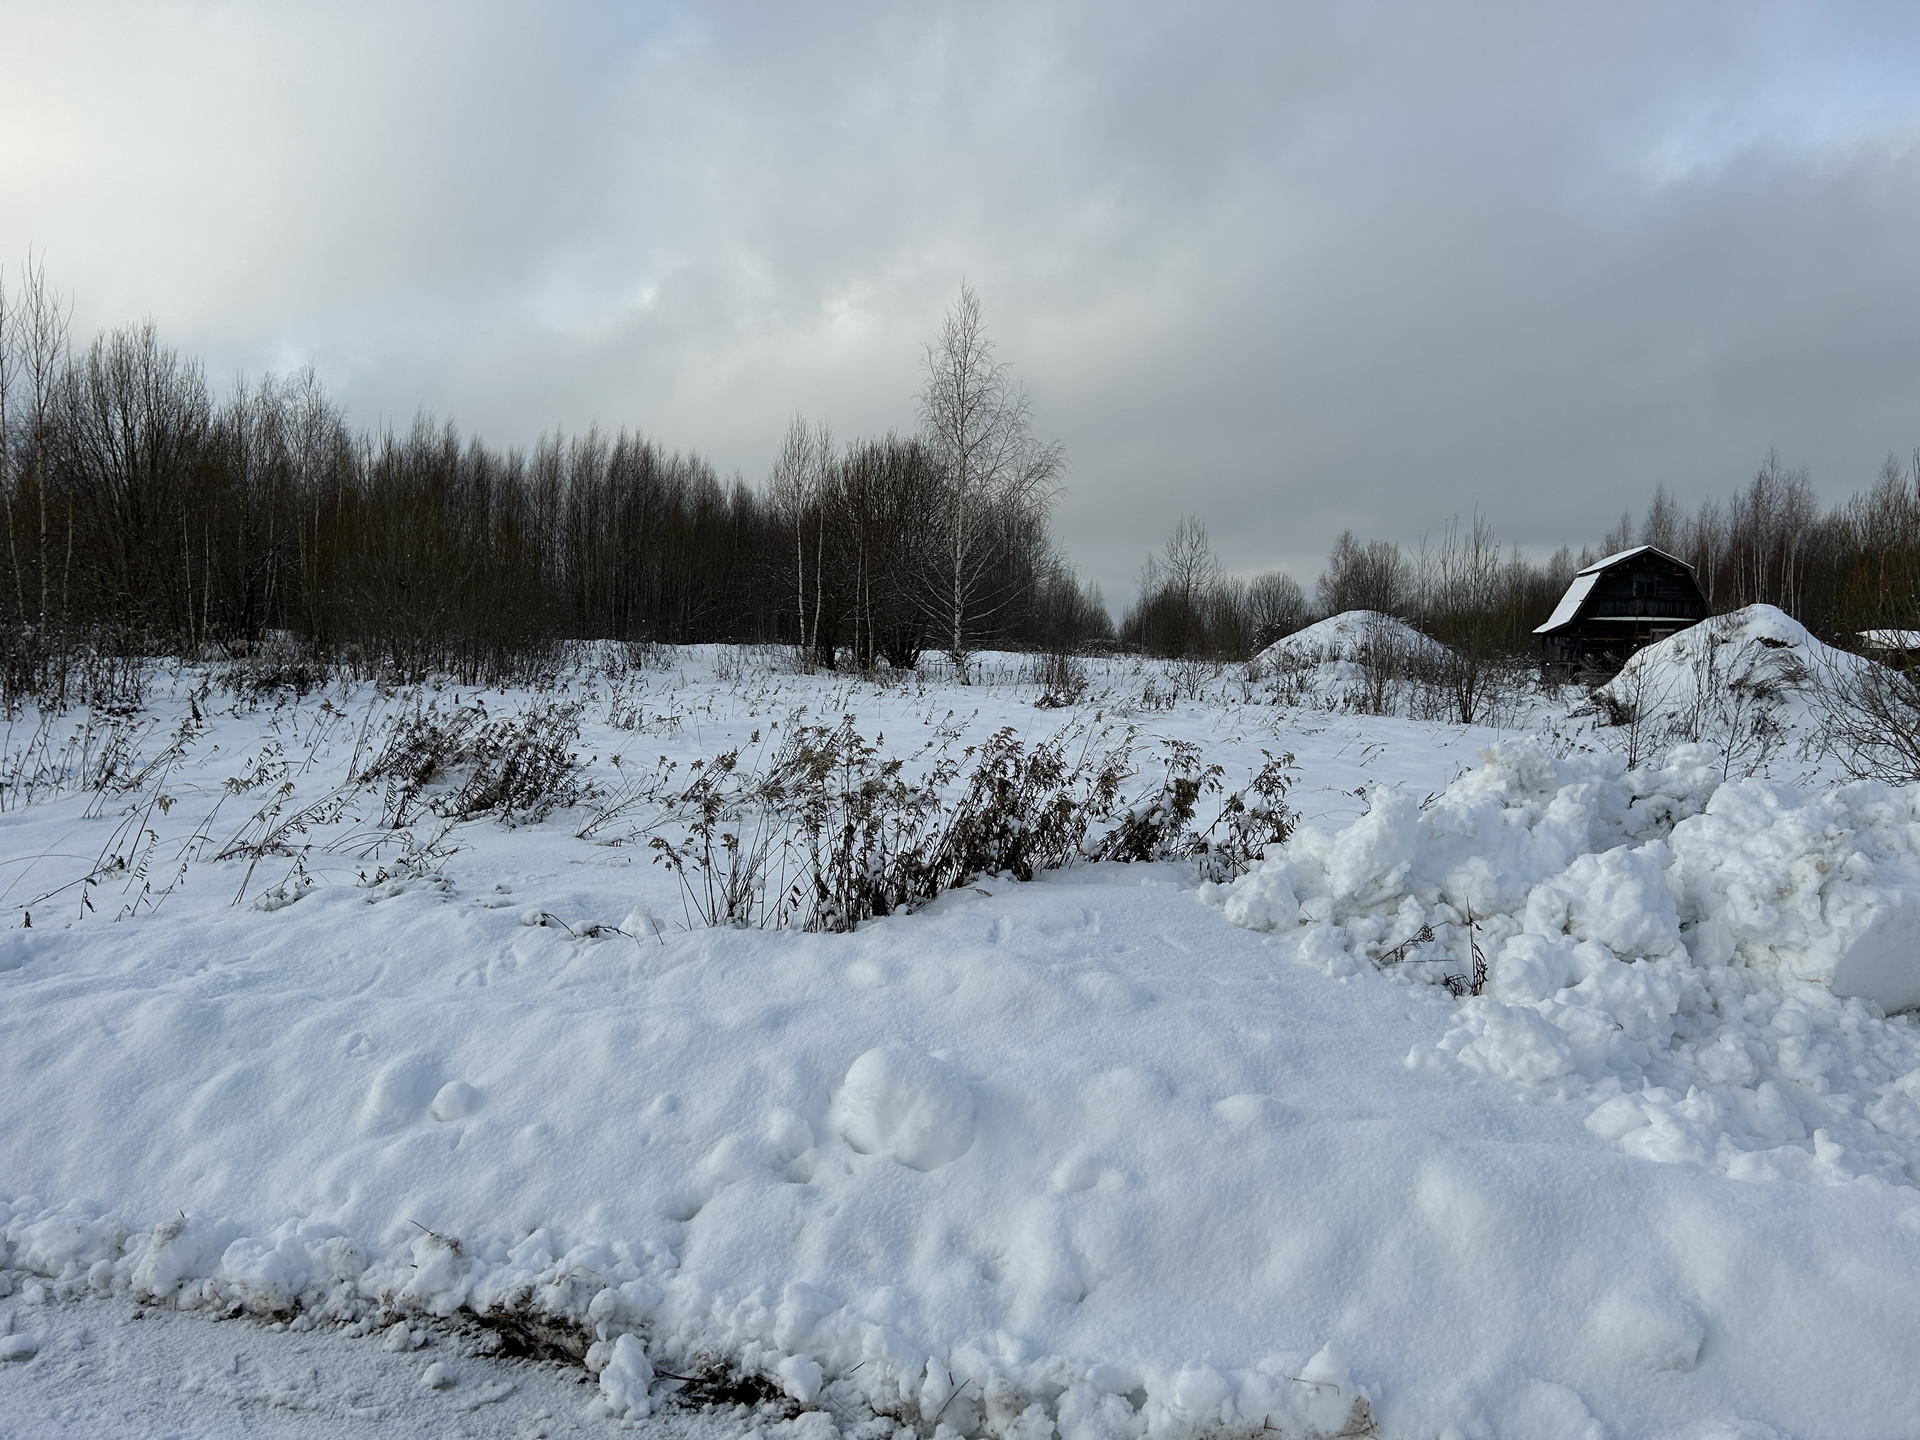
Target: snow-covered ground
x=1106, y=1154
x=95, y=1366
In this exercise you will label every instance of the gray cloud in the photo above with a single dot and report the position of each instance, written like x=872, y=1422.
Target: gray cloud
x=1292, y=268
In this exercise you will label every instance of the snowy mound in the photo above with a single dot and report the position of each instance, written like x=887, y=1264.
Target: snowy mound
x=1665, y=946
x=1359, y=660
x=1733, y=677
x=1343, y=637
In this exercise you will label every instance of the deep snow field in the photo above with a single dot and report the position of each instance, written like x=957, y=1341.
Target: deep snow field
x=1112, y=1153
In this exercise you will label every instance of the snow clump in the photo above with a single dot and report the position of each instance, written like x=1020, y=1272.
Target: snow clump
x=905, y=1103
x=455, y=1100
x=626, y=1379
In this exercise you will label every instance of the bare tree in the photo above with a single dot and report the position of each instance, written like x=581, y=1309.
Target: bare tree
x=1661, y=525
x=1372, y=576
x=1461, y=584
x=1872, y=716
x=878, y=553
x=977, y=421
x=1276, y=606
x=9, y=379
x=1189, y=569
x=1769, y=524
x=33, y=354
x=802, y=476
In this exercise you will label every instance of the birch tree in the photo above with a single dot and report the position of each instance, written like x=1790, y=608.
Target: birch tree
x=977, y=421
x=801, y=478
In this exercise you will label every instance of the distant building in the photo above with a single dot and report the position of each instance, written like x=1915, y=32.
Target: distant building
x=1900, y=648
x=1619, y=604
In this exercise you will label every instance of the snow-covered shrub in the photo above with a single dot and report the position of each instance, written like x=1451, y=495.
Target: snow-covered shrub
x=95, y=751
x=729, y=841
x=1870, y=715
x=1029, y=809
x=458, y=762
x=827, y=831
x=1250, y=822
x=276, y=664
x=1061, y=676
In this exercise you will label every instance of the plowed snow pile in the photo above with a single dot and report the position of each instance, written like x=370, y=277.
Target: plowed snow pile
x=1702, y=966
x=1343, y=636
x=1075, y=1157
x=1355, y=659
x=1744, y=682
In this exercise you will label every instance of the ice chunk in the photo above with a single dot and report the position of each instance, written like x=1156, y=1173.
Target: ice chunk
x=1872, y=952
x=1825, y=889
x=1265, y=900
x=1509, y=1041
x=1618, y=898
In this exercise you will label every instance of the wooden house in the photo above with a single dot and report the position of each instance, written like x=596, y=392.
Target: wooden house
x=1616, y=605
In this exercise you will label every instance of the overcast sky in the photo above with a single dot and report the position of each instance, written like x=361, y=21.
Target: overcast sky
x=1292, y=267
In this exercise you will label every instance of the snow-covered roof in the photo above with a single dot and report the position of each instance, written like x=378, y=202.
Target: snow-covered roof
x=1615, y=559
x=1584, y=580
x=1891, y=639
x=1569, y=605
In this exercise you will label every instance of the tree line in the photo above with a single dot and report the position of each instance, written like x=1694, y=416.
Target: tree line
x=145, y=515
x=1841, y=570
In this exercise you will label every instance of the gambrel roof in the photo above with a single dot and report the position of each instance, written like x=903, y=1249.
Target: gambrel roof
x=1584, y=581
